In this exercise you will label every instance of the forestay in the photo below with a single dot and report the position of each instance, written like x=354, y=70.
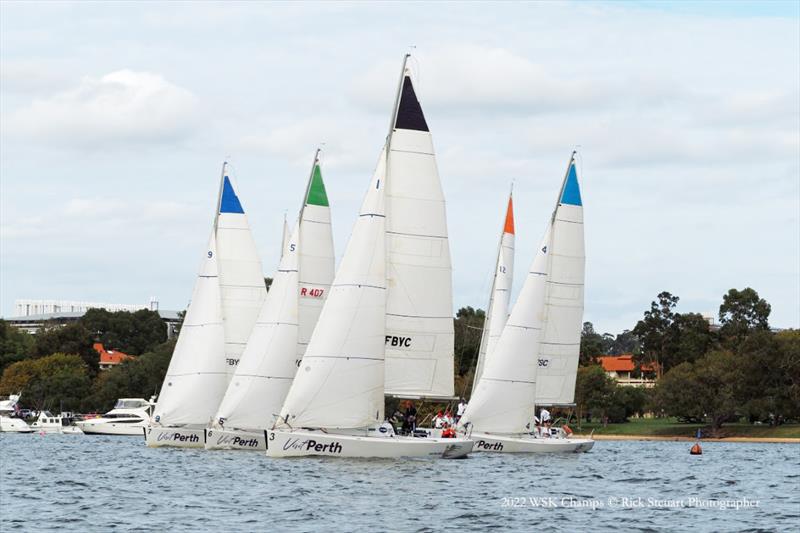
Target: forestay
x=340, y=382
x=500, y=295
x=560, y=346
x=419, y=301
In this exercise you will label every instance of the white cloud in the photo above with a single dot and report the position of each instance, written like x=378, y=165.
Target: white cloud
x=123, y=106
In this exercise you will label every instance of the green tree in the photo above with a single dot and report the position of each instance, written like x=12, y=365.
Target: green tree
x=132, y=333
x=592, y=345
x=468, y=327
x=52, y=382
x=669, y=338
x=594, y=392
x=134, y=378
x=789, y=363
x=741, y=313
x=689, y=339
x=655, y=329
x=704, y=390
x=768, y=374
x=626, y=402
x=624, y=343
x=15, y=344
x=71, y=338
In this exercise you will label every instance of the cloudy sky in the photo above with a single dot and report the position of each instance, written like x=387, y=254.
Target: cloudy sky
x=116, y=118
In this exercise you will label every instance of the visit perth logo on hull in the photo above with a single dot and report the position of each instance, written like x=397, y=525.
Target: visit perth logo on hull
x=494, y=446
x=235, y=440
x=176, y=436
x=312, y=445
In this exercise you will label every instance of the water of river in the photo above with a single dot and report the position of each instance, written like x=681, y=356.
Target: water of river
x=83, y=483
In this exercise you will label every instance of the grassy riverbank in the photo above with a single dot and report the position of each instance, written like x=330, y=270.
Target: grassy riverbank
x=670, y=427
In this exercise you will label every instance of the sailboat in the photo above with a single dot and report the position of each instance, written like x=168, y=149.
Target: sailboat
x=502, y=406
x=387, y=326
x=279, y=339
x=497, y=311
x=227, y=296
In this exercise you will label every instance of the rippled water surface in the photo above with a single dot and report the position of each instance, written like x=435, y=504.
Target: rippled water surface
x=101, y=483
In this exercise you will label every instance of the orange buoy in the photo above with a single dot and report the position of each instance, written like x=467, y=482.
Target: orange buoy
x=696, y=449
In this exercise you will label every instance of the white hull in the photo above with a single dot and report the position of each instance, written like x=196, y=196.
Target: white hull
x=304, y=443
x=485, y=442
x=158, y=436
x=90, y=427
x=14, y=425
x=226, y=439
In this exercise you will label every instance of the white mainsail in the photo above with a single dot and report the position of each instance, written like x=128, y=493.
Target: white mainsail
x=269, y=362
x=497, y=311
x=419, y=300
x=340, y=382
x=559, y=347
x=241, y=279
x=197, y=373
x=502, y=401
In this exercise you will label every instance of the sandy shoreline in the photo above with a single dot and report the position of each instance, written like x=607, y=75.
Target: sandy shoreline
x=783, y=440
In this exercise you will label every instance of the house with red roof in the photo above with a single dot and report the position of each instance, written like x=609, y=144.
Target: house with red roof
x=110, y=358
x=622, y=368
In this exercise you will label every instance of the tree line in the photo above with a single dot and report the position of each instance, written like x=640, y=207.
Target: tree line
x=737, y=370
x=740, y=369
x=58, y=368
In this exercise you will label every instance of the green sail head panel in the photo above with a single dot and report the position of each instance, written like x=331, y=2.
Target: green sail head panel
x=316, y=192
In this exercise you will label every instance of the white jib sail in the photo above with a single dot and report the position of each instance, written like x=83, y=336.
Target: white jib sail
x=497, y=312
x=419, y=300
x=197, y=375
x=559, y=348
x=241, y=279
x=267, y=367
x=316, y=260
x=340, y=382
x=503, y=399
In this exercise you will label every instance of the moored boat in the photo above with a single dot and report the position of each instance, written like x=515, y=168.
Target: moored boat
x=8, y=422
x=128, y=417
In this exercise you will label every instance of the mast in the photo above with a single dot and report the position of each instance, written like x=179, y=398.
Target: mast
x=397, y=100
x=219, y=195
x=310, y=180
x=563, y=185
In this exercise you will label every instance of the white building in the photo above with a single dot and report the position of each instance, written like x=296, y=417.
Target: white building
x=42, y=307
